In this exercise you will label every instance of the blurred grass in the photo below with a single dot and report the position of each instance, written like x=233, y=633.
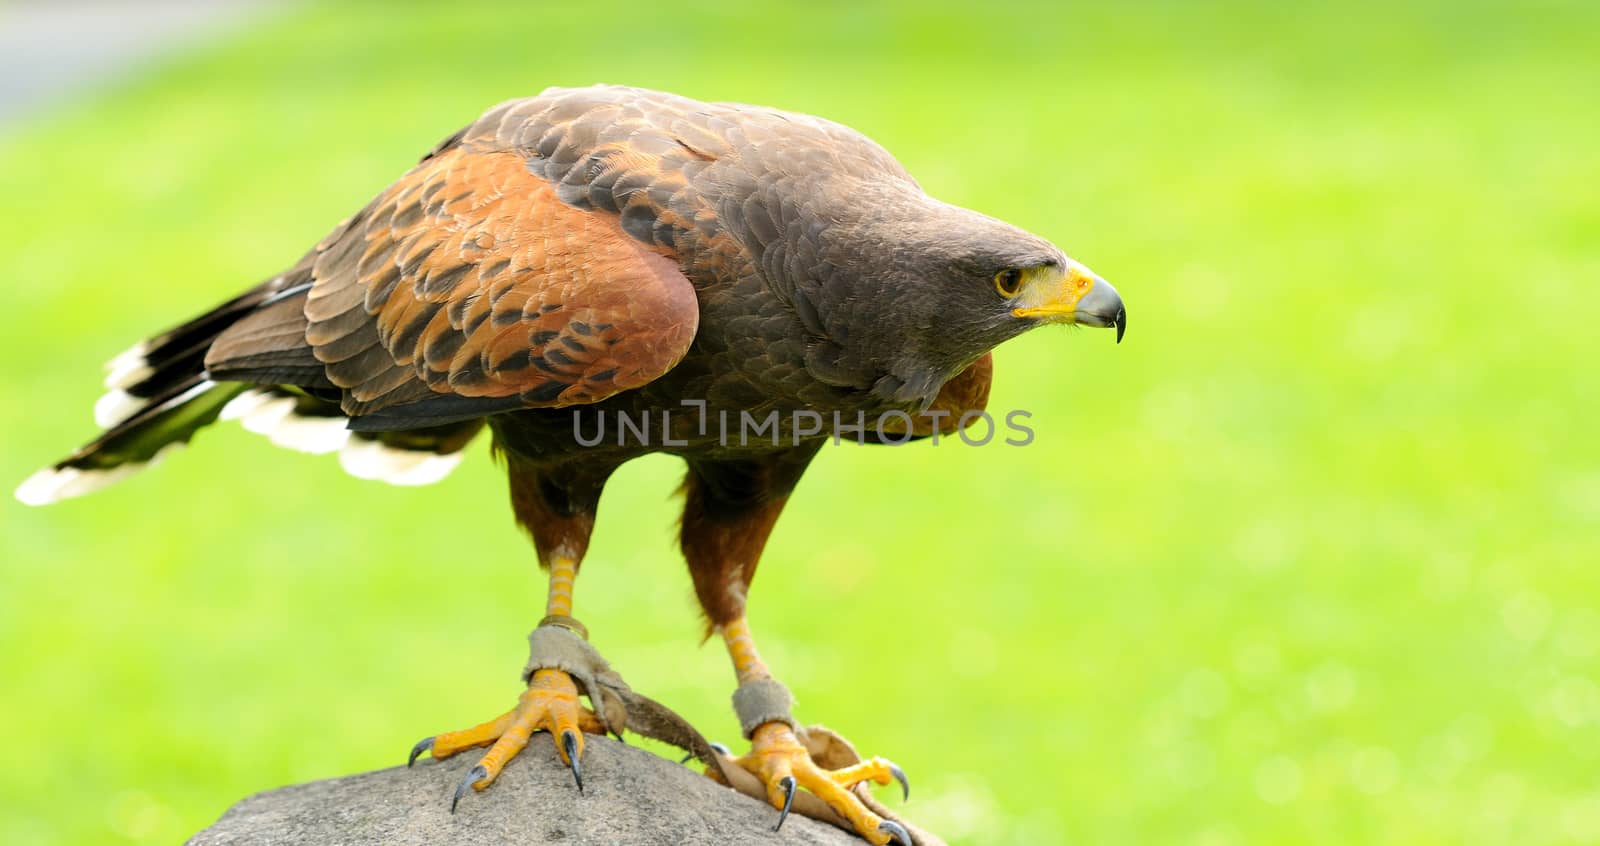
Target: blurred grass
x=1311, y=558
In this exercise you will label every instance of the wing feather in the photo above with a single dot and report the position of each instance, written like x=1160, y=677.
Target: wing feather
x=470, y=277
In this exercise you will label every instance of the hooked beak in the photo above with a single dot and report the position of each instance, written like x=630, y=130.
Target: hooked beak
x=1078, y=297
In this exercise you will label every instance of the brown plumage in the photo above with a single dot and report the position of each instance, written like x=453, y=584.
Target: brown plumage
x=613, y=251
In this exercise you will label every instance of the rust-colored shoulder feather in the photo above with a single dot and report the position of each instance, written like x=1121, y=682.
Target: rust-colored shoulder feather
x=967, y=392
x=468, y=277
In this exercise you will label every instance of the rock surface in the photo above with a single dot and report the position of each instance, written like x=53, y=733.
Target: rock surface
x=630, y=797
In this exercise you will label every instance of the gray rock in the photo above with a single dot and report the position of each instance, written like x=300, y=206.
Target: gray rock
x=630, y=797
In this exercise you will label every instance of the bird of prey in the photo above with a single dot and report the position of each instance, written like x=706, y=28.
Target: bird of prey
x=615, y=251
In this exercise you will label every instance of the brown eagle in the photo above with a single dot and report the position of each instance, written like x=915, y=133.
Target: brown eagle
x=595, y=274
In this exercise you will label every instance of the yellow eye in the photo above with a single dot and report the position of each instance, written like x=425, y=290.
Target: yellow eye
x=1008, y=282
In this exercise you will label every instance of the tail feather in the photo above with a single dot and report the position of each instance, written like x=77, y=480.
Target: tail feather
x=162, y=425
x=301, y=422
x=153, y=367
x=160, y=393
x=291, y=421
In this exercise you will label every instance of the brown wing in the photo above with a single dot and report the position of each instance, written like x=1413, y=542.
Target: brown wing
x=469, y=278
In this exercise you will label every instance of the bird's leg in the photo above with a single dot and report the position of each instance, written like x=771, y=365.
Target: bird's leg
x=729, y=510
x=558, y=510
x=780, y=760
x=549, y=704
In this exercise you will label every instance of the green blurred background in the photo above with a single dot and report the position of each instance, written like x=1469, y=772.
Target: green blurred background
x=1310, y=558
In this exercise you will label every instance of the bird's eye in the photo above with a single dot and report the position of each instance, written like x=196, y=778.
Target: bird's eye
x=1008, y=282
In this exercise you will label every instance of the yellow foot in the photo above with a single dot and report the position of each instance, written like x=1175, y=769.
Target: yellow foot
x=549, y=704
x=779, y=760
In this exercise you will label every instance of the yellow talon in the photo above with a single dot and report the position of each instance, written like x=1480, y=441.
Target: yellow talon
x=549, y=704
x=779, y=760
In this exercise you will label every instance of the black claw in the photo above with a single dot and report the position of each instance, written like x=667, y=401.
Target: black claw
x=900, y=776
x=788, y=784
x=896, y=832
x=478, y=772
x=569, y=743
x=686, y=759
x=422, y=746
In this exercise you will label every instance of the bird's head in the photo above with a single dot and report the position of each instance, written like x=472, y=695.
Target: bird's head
x=1061, y=291
x=938, y=286
x=993, y=281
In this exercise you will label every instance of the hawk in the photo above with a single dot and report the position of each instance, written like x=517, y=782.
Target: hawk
x=616, y=256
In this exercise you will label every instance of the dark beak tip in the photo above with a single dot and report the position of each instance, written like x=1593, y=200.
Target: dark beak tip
x=1122, y=323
